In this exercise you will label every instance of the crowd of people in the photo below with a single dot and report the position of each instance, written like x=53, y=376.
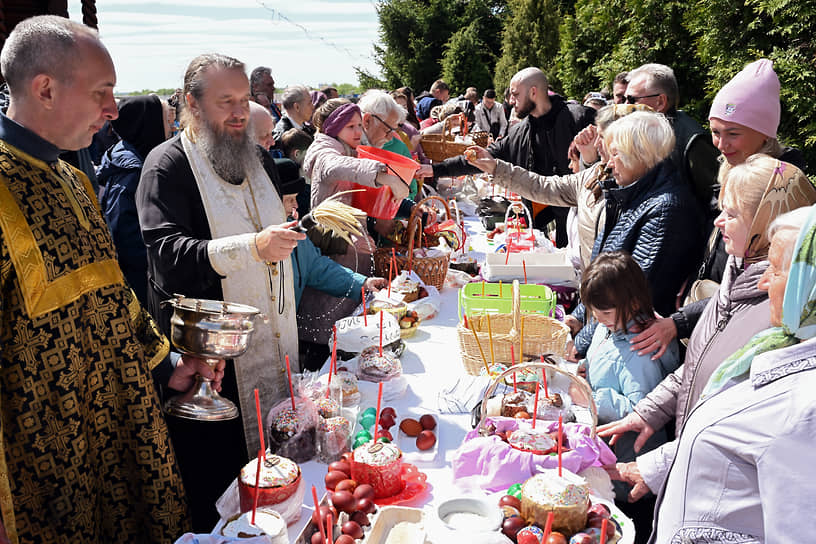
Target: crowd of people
x=199, y=196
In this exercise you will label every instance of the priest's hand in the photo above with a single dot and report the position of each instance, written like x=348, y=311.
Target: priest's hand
x=276, y=242
x=183, y=376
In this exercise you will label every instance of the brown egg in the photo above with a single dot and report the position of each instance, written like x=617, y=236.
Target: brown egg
x=343, y=501
x=522, y=415
x=511, y=526
x=428, y=422
x=341, y=466
x=556, y=538
x=333, y=478
x=317, y=538
x=510, y=500
x=344, y=539
x=324, y=514
x=352, y=529
x=346, y=485
x=365, y=505
x=364, y=491
x=426, y=440
x=411, y=427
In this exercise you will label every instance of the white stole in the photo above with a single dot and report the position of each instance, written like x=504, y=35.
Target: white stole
x=228, y=207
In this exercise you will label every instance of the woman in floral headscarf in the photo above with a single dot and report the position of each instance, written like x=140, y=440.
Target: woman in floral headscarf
x=742, y=468
x=753, y=195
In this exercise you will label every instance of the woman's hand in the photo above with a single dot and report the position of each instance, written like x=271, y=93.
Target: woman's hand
x=629, y=473
x=372, y=285
x=183, y=377
x=481, y=159
x=656, y=338
x=632, y=422
x=585, y=142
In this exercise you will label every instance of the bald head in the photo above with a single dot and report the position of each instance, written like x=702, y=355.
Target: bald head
x=261, y=124
x=528, y=93
x=46, y=44
x=532, y=77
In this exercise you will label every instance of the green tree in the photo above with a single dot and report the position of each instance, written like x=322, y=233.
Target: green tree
x=529, y=38
x=466, y=61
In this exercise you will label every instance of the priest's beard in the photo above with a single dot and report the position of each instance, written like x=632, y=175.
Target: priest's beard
x=229, y=155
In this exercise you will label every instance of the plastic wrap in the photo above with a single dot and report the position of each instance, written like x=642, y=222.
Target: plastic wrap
x=292, y=432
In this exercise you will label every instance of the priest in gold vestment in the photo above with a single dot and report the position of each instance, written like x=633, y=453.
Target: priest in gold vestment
x=84, y=450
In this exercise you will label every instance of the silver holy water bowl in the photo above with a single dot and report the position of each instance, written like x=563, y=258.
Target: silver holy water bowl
x=210, y=330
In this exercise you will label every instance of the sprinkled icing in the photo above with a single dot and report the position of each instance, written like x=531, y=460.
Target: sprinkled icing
x=372, y=364
x=348, y=382
x=378, y=454
x=286, y=421
x=547, y=488
x=531, y=440
x=335, y=424
x=327, y=407
x=267, y=523
x=277, y=471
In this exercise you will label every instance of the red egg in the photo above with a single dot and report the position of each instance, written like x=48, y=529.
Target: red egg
x=428, y=422
x=390, y=411
x=364, y=491
x=556, y=538
x=346, y=456
x=361, y=518
x=600, y=509
x=317, y=538
x=510, y=500
x=344, y=539
x=333, y=478
x=365, y=505
x=426, y=440
x=511, y=526
x=346, y=485
x=594, y=520
x=341, y=466
x=382, y=433
x=352, y=529
x=343, y=501
x=387, y=421
x=325, y=510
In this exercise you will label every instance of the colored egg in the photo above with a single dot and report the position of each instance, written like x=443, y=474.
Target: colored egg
x=530, y=535
x=359, y=442
x=515, y=490
x=383, y=439
x=510, y=511
x=366, y=412
x=367, y=421
x=363, y=434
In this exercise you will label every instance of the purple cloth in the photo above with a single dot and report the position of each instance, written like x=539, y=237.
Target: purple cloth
x=490, y=463
x=338, y=119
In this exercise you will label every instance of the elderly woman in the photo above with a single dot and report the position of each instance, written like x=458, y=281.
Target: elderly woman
x=581, y=190
x=649, y=212
x=333, y=166
x=742, y=466
x=753, y=195
x=744, y=118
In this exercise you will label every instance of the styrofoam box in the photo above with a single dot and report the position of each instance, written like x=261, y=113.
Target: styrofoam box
x=541, y=267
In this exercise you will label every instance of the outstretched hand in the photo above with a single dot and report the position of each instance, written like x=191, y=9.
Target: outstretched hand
x=632, y=422
x=481, y=159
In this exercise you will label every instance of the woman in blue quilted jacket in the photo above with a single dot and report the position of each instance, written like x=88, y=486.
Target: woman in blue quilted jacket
x=650, y=213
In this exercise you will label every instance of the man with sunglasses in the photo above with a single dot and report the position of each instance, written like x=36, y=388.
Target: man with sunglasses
x=655, y=86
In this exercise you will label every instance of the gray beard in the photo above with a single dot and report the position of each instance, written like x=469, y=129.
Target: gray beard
x=229, y=155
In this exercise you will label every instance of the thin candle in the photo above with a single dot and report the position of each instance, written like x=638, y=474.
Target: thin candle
x=560, y=440
x=390, y=274
x=379, y=403
x=604, y=524
x=507, y=250
x=260, y=422
x=490, y=340
x=515, y=389
x=512, y=356
x=535, y=405
x=524, y=266
x=481, y=351
x=483, y=286
x=544, y=376
x=317, y=509
x=501, y=290
x=521, y=340
x=548, y=525
x=257, y=482
x=329, y=528
x=289, y=376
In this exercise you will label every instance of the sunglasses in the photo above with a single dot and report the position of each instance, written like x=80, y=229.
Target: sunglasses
x=386, y=125
x=634, y=99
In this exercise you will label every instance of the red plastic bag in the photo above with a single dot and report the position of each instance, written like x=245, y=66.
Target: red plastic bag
x=377, y=202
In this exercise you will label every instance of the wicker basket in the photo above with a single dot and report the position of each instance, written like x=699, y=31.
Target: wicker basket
x=432, y=270
x=439, y=147
x=542, y=335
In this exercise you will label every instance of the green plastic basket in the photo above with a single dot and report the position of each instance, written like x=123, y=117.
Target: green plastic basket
x=498, y=299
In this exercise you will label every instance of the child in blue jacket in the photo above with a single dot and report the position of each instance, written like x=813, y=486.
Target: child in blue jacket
x=615, y=290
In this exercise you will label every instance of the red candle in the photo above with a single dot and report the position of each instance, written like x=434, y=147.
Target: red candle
x=604, y=525
x=289, y=377
x=257, y=482
x=535, y=405
x=381, y=328
x=560, y=440
x=260, y=423
x=544, y=376
x=317, y=509
x=377, y=420
x=365, y=313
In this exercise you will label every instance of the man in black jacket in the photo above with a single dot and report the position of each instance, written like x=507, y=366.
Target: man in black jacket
x=538, y=143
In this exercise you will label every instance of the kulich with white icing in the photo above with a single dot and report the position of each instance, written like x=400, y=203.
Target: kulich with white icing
x=379, y=454
x=567, y=496
x=375, y=367
x=534, y=440
x=276, y=471
x=380, y=466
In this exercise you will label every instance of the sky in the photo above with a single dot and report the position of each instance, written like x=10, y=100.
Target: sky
x=308, y=42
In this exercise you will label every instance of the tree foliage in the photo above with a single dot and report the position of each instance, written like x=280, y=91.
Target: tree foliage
x=583, y=44
x=530, y=38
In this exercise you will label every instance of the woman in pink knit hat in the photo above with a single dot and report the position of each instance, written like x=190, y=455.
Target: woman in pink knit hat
x=744, y=118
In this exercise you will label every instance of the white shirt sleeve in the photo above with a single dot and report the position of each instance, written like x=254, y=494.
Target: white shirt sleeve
x=231, y=253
